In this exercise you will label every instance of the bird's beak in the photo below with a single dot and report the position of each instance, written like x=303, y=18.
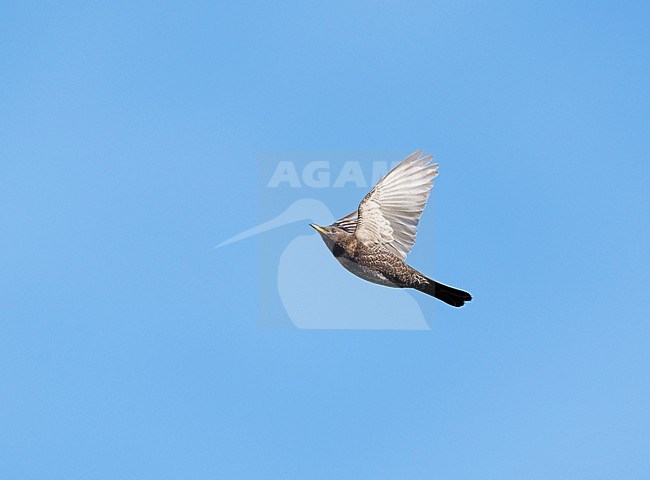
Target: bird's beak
x=317, y=228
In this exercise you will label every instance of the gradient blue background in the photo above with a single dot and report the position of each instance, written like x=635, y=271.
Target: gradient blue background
x=127, y=143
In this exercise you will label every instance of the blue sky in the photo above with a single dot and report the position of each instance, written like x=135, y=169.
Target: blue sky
x=129, y=136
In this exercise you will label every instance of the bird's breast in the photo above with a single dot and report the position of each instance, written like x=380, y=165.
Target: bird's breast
x=364, y=271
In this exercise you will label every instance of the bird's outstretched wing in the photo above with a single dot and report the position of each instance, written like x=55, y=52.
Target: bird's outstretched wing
x=348, y=223
x=390, y=213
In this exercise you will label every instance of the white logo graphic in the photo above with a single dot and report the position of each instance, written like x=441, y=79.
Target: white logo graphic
x=315, y=291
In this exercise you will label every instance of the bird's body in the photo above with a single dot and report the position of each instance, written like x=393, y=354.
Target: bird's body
x=373, y=242
x=373, y=263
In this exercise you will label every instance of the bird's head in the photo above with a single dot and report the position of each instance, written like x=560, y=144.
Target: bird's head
x=330, y=234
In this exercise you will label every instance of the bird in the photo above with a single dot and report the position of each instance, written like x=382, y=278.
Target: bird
x=374, y=241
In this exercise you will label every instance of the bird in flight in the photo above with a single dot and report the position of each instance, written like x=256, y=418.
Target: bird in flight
x=373, y=241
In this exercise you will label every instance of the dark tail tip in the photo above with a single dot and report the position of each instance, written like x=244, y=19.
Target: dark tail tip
x=447, y=294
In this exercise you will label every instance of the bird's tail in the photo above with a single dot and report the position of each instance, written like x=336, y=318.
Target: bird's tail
x=443, y=292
